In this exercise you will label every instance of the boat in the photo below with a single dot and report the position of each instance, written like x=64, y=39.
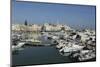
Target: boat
x=86, y=55
x=67, y=50
x=18, y=46
x=83, y=55
x=32, y=42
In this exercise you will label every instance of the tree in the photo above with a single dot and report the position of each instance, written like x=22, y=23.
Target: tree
x=63, y=28
x=25, y=22
x=43, y=28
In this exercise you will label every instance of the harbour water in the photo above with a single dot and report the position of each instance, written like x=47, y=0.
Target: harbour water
x=39, y=55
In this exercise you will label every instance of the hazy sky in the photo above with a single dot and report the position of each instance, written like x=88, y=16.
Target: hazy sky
x=39, y=13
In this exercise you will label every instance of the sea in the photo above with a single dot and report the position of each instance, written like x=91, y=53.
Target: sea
x=38, y=55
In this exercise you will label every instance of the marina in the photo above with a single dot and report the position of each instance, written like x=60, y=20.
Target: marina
x=69, y=44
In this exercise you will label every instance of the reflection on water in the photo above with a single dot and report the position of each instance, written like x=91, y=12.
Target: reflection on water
x=38, y=55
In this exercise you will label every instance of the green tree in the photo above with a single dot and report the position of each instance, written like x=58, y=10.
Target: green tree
x=25, y=23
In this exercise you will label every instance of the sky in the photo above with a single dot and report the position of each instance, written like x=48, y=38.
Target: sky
x=39, y=13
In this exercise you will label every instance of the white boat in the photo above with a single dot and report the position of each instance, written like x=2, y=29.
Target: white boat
x=86, y=55
x=19, y=45
x=70, y=49
x=67, y=50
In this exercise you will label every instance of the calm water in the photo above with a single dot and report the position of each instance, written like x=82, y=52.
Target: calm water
x=38, y=55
